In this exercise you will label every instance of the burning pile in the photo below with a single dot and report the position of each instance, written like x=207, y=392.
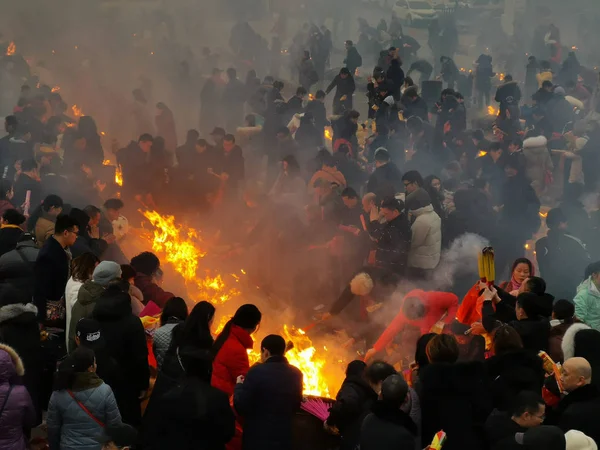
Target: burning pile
x=182, y=247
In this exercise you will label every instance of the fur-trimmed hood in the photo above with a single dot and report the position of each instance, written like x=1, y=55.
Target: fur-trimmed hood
x=568, y=342
x=9, y=312
x=10, y=364
x=535, y=142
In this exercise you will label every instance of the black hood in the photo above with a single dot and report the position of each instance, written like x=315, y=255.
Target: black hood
x=394, y=415
x=112, y=305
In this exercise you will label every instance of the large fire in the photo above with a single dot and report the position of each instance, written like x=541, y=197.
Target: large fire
x=180, y=247
x=11, y=49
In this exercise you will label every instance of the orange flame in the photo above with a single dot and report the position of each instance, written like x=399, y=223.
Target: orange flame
x=119, y=176
x=77, y=112
x=492, y=111
x=328, y=133
x=56, y=89
x=481, y=153
x=11, y=49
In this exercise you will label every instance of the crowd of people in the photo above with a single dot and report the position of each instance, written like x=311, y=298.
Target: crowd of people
x=360, y=206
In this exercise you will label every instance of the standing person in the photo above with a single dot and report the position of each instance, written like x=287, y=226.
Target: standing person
x=306, y=72
x=28, y=180
x=134, y=160
x=433, y=186
x=352, y=403
x=426, y=241
x=165, y=127
x=234, y=97
x=353, y=59
x=345, y=87
x=317, y=108
x=231, y=357
x=388, y=427
x=531, y=71
x=126, y=343
x=210, y=98
x=271, y=393
x=587, y=300
x=520, y=271
x=192, y=415
x=395, y=76
x=82, y=269
x=195, y=331
x=449, y=72
x=538, y=163
x=232, y=166
x=43, y=218
x=561, y=257
x=17, y=413
x=17, y=265
x=81, y=404
x=10, y=230
x=483, y=84
x=174, y=313
x=147, y=267
x=508, y=95
x=52, y=265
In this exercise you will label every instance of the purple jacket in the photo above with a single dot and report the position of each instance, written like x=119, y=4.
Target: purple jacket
x=19, y=412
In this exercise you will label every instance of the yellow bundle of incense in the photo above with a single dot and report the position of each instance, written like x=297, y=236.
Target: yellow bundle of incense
x=552, y=368
x=487, y=268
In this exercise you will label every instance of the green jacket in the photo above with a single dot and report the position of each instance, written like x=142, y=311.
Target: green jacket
x=587, y=304
x=83, y=308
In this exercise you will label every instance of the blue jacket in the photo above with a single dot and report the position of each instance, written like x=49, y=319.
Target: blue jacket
x=69, y=426
x=268, y=400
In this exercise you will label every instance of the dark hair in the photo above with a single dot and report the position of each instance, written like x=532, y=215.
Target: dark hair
x=412, y=176
x=274, y=343
x=394, y=390
x=195, y=331
x=555, y=217
x=329, y=161
x=81, y=218
x=83, y=266
x=192, y=136
x=525, y=401
x=515, y=141
x=301, y=91
x=127, y=272
x=114, y=203
x=592, y=269
x=196, y=362
x=536, y=285
x=247, y=316
x=522, y=261
x=382, y=155
x=409, y=82
x=92, y=211
x=349, y=193
x=442, y=348
x=146, y=137
x=393, y=204
x=478, y=134
x=320, y=94
x=80, y=360
x=505, y=339
x=64, y=223
x=356, y=368
x=564, y=310
x=379, y=371
x=27, y=165
x=229, y=138
x=421, y=351
x=5, y=187
x=146, y=263
x=528, y=301
x=495, y=146
x=344, y=71
x=13, y=217
x=231, y=72
x=49, y=202
x=547, y=84
x=508, y=77
x=353, y=114
x=174, y=308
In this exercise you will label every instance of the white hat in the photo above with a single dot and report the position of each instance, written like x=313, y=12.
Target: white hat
x=576, y=440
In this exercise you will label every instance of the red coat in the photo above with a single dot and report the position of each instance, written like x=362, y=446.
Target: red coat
x=436, y=304
x=152, y=291
x=232, y=360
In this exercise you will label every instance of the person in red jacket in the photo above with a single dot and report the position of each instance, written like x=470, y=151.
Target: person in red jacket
x=147, y=266
x=231, y=356
x=420, y=311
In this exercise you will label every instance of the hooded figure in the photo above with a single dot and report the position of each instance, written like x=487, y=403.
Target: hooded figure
x=426, y=243
x=538, y=162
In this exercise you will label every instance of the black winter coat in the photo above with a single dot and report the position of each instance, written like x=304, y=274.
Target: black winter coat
x=385, y=181
x=388, y=428
x=51, y=275
x=9, y=236
x=270, y=394
x=500, y=430
x=512, y=372
x=191, y=416
x=126, y=343
x=455, y=398
x=579, y=411
x=17, y=268
x=393, y=244
x=352, y=404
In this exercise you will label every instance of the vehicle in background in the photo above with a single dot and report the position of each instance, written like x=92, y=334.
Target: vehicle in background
x=415, y=11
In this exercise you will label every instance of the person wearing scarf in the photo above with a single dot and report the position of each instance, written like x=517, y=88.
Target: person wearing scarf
x=521, y=269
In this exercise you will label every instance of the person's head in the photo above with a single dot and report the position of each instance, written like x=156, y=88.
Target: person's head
x=592, y=271
x=52, y=205
x=10, y=124
x=547, y=86
x=231, y=74
x=113, y=207
x=505, y=339
x=350, y=197
x=508, y=78
x=6, y=190
x=83, y=266
x=412, y=181
x=382, y=157
x=512, y=168
x=576, y=372
x=29, y=167
x=433, y=183
x=328, y=162
x=196, y=329
x=514, y=145
x=146, y=263
x=105, y=272
x=175, y=309
x=356, y=368
x=349, y=44
x=369, y=201
x=563, y=310
x=391, y=208
x=81, y=360
x=528, y=409
x=145, y=142
x=65, y=230
x=94, y=214
x=344, y=73
x=353, y=116
x=521, y=269
x=377, y=372
x=442, y=348
x=527, y=306
x=477, y=136
x=284, y=134
x=247, y=317
x=196, y=362
x=301, y=92
x=228, y=142
x=394, y=390
x=421, y=350
x=556, y=219
x=495, y=151
x=272, y=345
x=191, y=136
x=535, y=285
x=216, y=74
x=13, y=217
x=88, y=334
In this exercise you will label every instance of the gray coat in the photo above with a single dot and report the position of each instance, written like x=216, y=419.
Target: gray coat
x=16, y=267
x=70, y=427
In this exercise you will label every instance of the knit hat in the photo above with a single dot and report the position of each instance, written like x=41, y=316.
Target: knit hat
x=105, y=272
x=576, y=440
x=418, y=199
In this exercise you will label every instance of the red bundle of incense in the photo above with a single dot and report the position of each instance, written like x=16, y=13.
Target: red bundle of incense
x=317, y=408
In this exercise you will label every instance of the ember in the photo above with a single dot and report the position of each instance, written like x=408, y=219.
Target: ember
x=481, y=153
x=328, y=133
x=56, y=89
x=11, y=49
x=492, y=111
x=76, y=111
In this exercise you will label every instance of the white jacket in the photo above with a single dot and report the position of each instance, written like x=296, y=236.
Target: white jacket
x=426, y=243
x=71, y=292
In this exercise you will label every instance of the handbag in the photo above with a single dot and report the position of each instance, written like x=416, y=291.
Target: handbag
x=85, y=410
